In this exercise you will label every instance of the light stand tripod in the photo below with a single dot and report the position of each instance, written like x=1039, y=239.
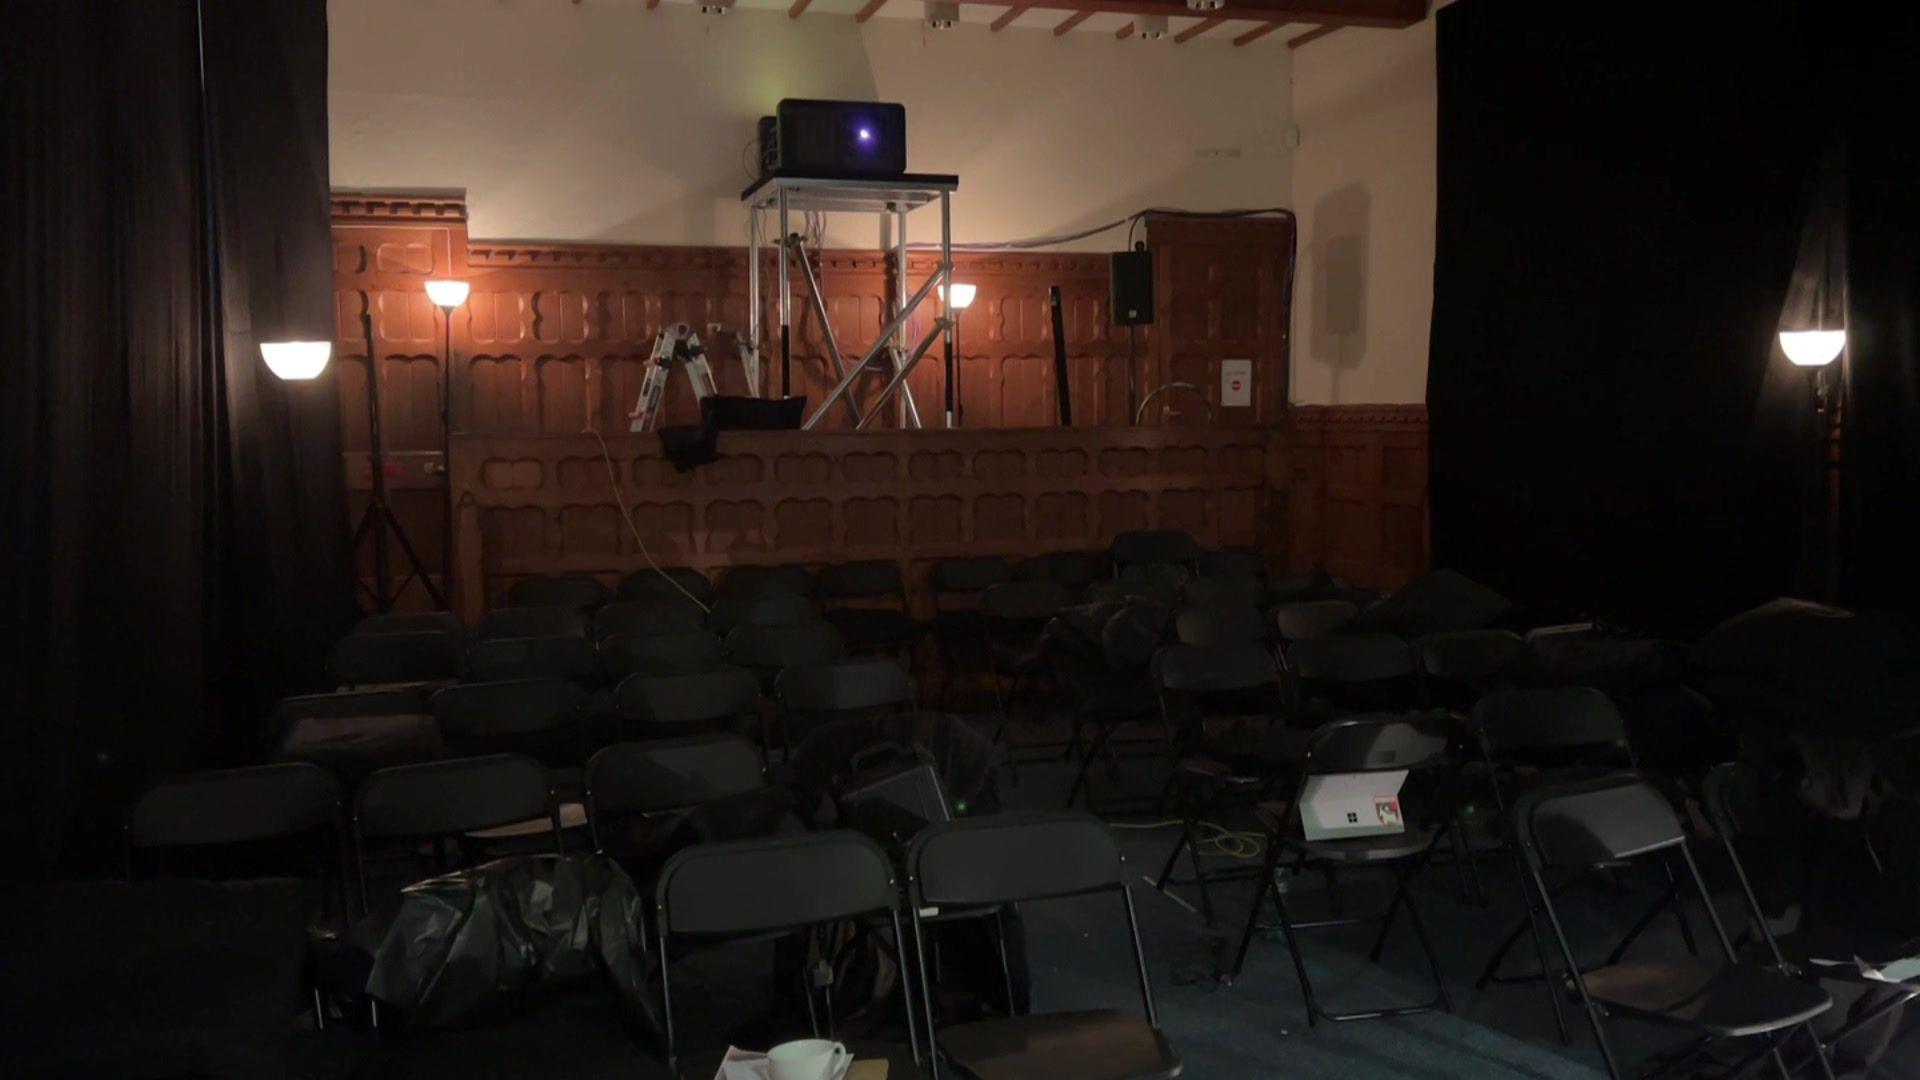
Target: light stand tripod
x=378, y=519
x=675, y=347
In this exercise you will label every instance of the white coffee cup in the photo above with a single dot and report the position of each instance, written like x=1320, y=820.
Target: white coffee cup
x=807, y=1059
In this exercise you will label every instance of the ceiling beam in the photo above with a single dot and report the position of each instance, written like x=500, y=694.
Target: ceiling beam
x=1007, y=17
x=1257, y=33
x=867, y=12
x=798, y=7
x=1196, y=30
x=651, y=4
x=1071, y=21
x=1123, y=33
x=1388, y=13
x=1312, y=35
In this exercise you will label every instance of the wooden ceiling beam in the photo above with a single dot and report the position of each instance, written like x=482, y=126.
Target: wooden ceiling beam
x=868, y=11
x=1387, y=13
x=1006, y=18
x=798, y=8
x=1123, y=33
x=651, y=4
x=1196, y=30
x=1071, y=21
x=1312, y=35
x=1257, y=33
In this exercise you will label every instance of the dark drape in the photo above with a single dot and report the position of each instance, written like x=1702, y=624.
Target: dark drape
x=173, y=521
x=1621, y=210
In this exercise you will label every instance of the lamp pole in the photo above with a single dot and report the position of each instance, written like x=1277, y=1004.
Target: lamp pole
x=447, y=295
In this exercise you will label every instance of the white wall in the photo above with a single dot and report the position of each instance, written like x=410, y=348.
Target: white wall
x=602, y=121
x=1364, y=190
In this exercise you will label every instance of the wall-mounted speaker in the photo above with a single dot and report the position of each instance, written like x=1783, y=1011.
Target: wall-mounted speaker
x=1132, y=288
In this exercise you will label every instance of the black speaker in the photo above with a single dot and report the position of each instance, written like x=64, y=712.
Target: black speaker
x=1132, y=281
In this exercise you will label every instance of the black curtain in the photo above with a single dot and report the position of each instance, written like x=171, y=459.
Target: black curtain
x=174, y=517
x=1621, y=210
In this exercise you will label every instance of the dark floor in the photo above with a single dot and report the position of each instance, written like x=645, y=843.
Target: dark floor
x=1254, y=1028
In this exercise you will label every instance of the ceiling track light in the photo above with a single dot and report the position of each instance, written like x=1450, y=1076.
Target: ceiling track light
x=1150, y=27
x=715, y=7
x=1205, y=5
x=942, y=14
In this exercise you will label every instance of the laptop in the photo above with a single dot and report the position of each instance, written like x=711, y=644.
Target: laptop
x=1346, y=806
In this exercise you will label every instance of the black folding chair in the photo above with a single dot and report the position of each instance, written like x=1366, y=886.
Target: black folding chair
x=1160, y=583
x=812, y=694
x=732, y=610
x=1013, y=617
x=767, y=580
x=524, y=622
x=499, y=659
x=1155, y=547
x=1219, y=622
x=571, y=590
x=957, y=625
x=1302, y=619
x=857, y=598
x=1349, y=673
x=542, y=718
x=1071, y=570
x=649, y=617
x=721, y=699
x=668, y=582
x=449, y=799
x=769, y=650
x=384, y=659
x=626, y=655
x=353, y=732
x=1461, y=665
x=782, y=885
x=1612, y=820
x=1236, y=590
x=1742, y=813
x=1225, y=706
x=638, y=779
x=1427, y=749
x=982, y=864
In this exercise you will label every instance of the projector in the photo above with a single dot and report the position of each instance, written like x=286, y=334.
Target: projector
x=834, y=139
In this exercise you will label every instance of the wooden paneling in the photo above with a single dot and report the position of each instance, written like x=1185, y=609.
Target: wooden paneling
x=1357, y=494
x=544, y=504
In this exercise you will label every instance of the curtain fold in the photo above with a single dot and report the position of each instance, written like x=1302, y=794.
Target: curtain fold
x=173, y=546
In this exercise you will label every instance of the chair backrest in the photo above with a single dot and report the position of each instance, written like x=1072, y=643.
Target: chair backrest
x=972, y=574
x=409, y=656
x=543, y=621
x=659, y=654
x=1232, y=590
x=670, y=701
x=1380, y=744
x=844, y=686
x=1737, y=802
x=1219, y=624
x=1479, y=659
x=387, y=701
x=1234, y=562
x=770, y=649
x=654, y=615
x=1071, y=569
x=1208, y=669
x=857, y=580
x=734, y=609
x=572, y=590
x=540, y=717
x=1024, y=601
x=405, y=622
x=670, y=774
x=1595, y=821
x=1303, y=619
x=1351, y=658
x=441, y=798
x=668, y=581
x=502, y=659
x=752, y=886
x=235, y=805
x=1007, y=858
x=767, y=580
x=1551, y=720
x=1169, y=546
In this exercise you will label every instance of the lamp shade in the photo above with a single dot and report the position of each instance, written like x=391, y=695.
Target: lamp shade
x=296, y=361
x=447, y=294
x=1812, y=348
x=962, y=297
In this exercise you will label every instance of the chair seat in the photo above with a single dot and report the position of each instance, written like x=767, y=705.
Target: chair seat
x=1254, y=745
x=353, y=746
x=1726, y=1000
x=1285, y=827
x=1099, y=1044
x=873, y=628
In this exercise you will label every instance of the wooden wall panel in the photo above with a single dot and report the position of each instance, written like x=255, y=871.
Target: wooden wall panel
x=1357, y=493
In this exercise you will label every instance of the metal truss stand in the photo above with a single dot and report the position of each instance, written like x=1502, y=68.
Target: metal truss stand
x=676, y=347
x=891, y=198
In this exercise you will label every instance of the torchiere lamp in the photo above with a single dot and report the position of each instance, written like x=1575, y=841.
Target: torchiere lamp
x=960, y=300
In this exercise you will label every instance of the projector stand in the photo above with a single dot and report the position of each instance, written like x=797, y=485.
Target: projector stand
x=677, y=347
x=893, y=198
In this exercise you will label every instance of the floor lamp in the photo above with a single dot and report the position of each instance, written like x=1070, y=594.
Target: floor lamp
x=447, y=294
x=959, y=301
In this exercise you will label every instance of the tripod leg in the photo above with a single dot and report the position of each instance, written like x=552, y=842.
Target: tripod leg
x=413, y=557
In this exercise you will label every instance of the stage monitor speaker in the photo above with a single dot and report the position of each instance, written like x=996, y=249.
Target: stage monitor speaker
x=1132, y=282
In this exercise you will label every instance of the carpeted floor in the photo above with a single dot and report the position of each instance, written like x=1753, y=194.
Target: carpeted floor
x=1254, y=1028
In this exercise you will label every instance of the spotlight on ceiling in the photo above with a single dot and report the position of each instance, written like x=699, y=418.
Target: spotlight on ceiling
x=1150, y=27
x=1205, y=5
x=942, y=14
x=715, y=7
